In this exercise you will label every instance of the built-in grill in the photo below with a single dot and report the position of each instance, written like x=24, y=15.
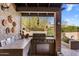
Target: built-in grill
x=42, y=45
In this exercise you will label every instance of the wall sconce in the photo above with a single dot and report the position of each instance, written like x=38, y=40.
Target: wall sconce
x=58, y=23
x=5, y=6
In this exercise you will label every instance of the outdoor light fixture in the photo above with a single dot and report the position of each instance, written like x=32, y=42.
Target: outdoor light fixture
x=5, y=6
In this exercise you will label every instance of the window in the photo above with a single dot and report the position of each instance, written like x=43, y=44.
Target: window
x=41, y=24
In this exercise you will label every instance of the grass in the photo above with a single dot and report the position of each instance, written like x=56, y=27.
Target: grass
x=50, y=32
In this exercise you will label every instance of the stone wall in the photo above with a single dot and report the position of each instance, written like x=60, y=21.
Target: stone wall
x=15, y=17
x=74, y=34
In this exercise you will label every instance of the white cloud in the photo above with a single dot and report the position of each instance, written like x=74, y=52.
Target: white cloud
x=69, y=21
x=69, y=7
x=66, y=21
x=76, y=16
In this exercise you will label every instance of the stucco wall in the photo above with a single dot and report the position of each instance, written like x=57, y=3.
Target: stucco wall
x=15, y=17
x=74, y=34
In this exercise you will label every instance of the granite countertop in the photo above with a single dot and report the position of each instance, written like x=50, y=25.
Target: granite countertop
x=19, y=44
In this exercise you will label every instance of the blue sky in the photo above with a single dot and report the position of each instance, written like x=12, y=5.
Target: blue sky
x=70, y=15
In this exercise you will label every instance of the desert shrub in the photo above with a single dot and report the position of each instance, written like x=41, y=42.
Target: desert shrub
x=65, y=39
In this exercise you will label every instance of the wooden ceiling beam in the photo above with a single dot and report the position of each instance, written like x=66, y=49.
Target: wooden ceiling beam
x=36, y=14
x=37, y=9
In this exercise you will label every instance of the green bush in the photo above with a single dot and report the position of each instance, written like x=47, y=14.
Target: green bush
x=70, y=29
x=65, y=39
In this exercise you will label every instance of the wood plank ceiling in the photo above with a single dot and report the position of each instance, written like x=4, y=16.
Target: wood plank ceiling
x=37, y=7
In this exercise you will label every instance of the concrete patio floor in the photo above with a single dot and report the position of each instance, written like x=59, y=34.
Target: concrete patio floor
x=69, y=52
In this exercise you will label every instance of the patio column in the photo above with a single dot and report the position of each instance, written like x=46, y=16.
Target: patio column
x=58, y=31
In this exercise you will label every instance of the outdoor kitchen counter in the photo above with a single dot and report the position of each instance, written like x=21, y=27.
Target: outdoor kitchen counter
x=19, y=48
x=19, y=44
x=50, y=38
